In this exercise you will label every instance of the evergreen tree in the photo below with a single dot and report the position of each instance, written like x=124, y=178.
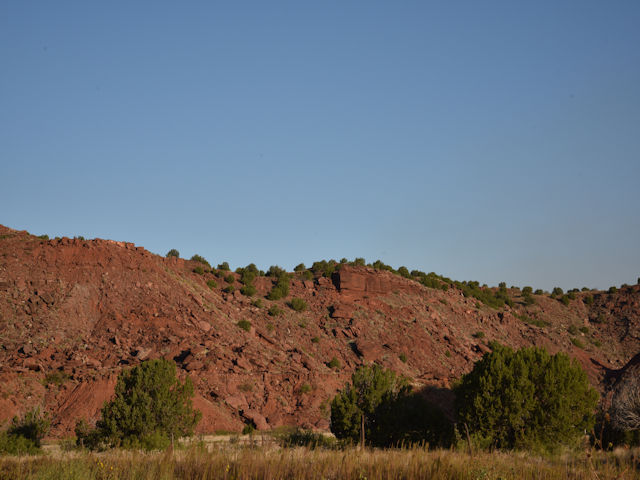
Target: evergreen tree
x=525, y=399
x=379, y=407
x=150, y=407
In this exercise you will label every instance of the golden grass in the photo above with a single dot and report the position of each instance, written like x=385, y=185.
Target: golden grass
x=301, y=463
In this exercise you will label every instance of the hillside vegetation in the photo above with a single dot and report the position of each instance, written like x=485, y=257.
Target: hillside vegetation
x=273, y=348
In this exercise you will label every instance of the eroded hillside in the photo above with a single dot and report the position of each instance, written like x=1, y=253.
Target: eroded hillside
x=74, y=312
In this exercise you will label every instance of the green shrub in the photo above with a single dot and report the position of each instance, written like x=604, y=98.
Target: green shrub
x=478, y=335
x=43, y=237
x=577, y=342
x=224, y=266
x=276, y=271
x=588, y=300
x=305, y=388
x=380, y=265
x=571, y=295
x=229, y=289
x=334, y=363
x=300, y=268
x=557, y=291
x=359, y=262
x=199, y=270
x=527, y=290
x=315, y=340
x=173, y=253
x=25, y=434
x=539, y=291
x=200, y=259
x=17, y=445
x=298, y=304
x=248, y=290
x=430, y=280
x=249, y=269
x=613, y=290
x=257, y=303
x=564, y=300
x=403, y=358
x=248, y=429
x=573, y=330
x=245, y=325
x=57, y=377
x=307, y=438
x=150, y=406
x=584, y=329
x=230, y=278
x=277, y=293
x=281, y=288
x=275, y=310
x=212, y=283
x=404, y=272
x=525, y=399
x=486, y=295
x=532, y=321
x=247, y=277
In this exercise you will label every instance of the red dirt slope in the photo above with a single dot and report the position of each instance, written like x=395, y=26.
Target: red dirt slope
x=74, y=312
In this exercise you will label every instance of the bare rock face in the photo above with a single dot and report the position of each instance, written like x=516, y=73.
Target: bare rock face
x=368, y=350
x=342, y=310
x=362, y=280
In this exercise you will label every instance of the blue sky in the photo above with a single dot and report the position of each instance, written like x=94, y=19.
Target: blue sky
x=493, y=141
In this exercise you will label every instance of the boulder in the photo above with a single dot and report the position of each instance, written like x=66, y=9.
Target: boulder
x=257, y=418
x=342, y=310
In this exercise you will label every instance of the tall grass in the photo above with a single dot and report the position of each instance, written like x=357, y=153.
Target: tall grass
x=300, y=463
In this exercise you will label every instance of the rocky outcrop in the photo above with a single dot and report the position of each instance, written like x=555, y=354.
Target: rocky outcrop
x=362, y=280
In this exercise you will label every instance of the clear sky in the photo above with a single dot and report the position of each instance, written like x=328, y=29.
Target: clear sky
x=490, y=141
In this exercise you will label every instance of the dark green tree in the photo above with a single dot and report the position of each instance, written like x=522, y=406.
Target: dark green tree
x=353, y=409
x=173, y=253
x=201, y=259
x=525, y=399
x=378, y=406
x=150, y=407
x=404, y=271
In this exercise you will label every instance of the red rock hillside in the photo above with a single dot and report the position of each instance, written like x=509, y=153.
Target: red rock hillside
x=75, y=312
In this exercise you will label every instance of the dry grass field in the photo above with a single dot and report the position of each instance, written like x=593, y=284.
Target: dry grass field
x=270, y=462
